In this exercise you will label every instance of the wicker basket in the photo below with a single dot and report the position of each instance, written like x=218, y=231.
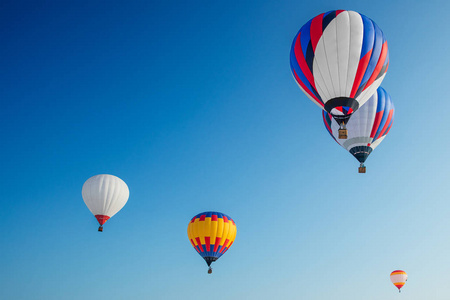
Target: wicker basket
x=343, y=134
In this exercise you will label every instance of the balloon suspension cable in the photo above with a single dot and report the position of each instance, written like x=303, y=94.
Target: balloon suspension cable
x=209, y=270
x=100, y=228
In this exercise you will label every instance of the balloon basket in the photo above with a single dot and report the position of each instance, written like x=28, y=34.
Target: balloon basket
x=209, y=270
x=362, y=169
x=100, y=229
x=343, y=134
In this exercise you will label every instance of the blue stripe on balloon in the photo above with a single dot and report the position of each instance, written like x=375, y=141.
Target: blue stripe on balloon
x=376, y=51
x=327, y=119
x=305, y=36
x=381, y=99
x=327, y=18
x=386, y=109
x=368, y=36
x=381, y=107
x=309, y=57
x=294, y=63
x=328, y=12
x=211, y=253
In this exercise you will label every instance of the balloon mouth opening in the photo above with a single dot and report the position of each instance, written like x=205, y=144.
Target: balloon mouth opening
x=209, y=260
x=341, y=109
x=361, y=153
x=102, y=219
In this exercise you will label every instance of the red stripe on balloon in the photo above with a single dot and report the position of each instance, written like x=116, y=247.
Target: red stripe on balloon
x=199, y=243
x=224, y=245
x=389, y=128
x=216, y=244
x=376, y=123
x=388, y=121
x=316, y=30
x=362, y=66
x=300, y=57
x=207, y=243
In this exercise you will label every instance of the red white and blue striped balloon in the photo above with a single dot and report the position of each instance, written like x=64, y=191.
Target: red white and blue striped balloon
x=367, y=127
x=339, y=59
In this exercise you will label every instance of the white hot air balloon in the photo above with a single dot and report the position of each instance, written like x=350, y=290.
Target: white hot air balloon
x=368, y=126
x=105, y=195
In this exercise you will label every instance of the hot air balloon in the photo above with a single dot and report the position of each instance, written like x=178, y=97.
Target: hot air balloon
x=399, y=278
x=104, y=195
x=367, y=127
x=211, y=234
x=339, y=59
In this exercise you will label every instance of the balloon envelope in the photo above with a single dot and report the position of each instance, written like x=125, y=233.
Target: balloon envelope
x=339, y=59
x=211, y=234
x=367, y=127
x=399, y=278
x=105, y=195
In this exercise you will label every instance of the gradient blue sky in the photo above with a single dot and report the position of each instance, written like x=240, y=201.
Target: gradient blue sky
x=193, y=105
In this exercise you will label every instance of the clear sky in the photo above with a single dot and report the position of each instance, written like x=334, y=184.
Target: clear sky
x=193, y=105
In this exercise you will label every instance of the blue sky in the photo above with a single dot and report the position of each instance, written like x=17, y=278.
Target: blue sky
x=193, y=105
